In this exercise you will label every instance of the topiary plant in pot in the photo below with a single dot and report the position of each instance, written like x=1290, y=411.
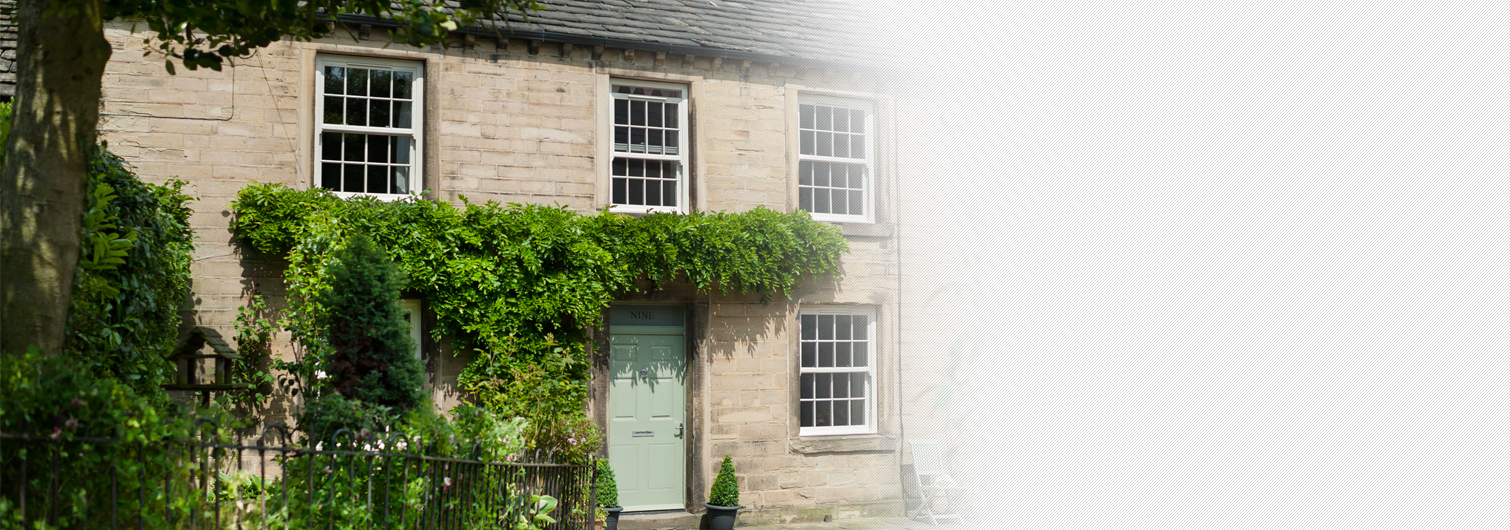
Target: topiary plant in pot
x=723, y=500
x=608, y=494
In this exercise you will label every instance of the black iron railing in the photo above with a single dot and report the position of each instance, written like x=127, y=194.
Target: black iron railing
x=220, y=481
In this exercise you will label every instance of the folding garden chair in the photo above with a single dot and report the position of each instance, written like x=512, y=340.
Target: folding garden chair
x=933, y=481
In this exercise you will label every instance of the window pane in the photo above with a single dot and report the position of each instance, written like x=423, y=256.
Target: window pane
x=841, y=354
x=401, y=83
x=860, y=327
x=636, y=168
x=858, y=356
x=382, y=81
x=378, y=109
x=805, y=199
x=856, y=200
x=857, y=385
x=356, y=81
x=377, y=148
x=636, y=112
x=401, y=181
x=335, y=80
x=669, y=188
x=837, y=202
x=825, y=143
x=652, y=169
x=806, y=112
x=656, y=114
x=841, y=120
x=620, y=138
x=403, y=112
x=672, y=141
x=807, y=143
x=335, y=110
x=636, y=139
x=807, y=414
x=620, y=166
x=809, y=354
x=654, y=139
x=620, y=191
x=825, y=327
x=856, y=146
x=636, y=191
x=841, y=145
x=377, y=179
x=652, y=192
x=856, y=121
x=353, y=177
x=807, y=386
x=841, y=385
x=330, y=176
x=672, y=115
x=805, y=173
x=330, y=146
x=825, y=119
x=356, y=111
x=857, y=412
x=841, y=413
x=841, y=327
x=621, y=111
x=825, y=414
x=820, y=201
x=809, y=327
x=820, y=173
x=402, y=146
x=825, y=386
x=356, y=146
x=825, y=355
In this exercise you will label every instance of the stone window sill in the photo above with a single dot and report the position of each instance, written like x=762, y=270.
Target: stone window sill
x=852, y=443
x=865, y=229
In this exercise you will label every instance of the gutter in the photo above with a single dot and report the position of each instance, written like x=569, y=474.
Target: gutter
x=669, y=49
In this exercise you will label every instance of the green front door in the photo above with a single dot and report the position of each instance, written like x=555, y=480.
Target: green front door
x=647, y=406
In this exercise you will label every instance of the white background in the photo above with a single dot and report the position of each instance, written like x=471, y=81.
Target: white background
x=1243, y=265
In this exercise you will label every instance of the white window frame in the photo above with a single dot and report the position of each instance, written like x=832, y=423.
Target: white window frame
x=869, y=181
x=416, y=328
x=870, y=371
x=683, y=144
x=415, y=131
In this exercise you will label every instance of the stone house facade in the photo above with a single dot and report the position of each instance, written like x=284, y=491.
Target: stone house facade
x=642, y=106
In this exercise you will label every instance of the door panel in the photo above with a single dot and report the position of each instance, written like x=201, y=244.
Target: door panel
x=647, y=415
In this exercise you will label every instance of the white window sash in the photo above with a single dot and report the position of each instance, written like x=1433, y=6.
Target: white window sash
x=682, y=193
x=871, y=422
x=869, y=201
x=416, y=147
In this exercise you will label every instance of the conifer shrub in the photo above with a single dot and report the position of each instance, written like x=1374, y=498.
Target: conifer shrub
x=371, y=356
x=608, y=488
x=725, y=487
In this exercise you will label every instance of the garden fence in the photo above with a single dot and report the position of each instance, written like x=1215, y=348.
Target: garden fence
x=220, y=481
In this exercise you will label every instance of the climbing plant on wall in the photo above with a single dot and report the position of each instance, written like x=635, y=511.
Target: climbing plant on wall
x=518, y=284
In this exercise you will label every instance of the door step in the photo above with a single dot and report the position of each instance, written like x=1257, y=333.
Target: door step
x=666, y=520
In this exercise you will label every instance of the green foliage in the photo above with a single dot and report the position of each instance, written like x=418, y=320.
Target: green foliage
x=725, y=488
x=325, y=415
x=205, y=33
x=371, y=352
x=133, y=275
x=517, y=285
x=47, y=396
x=608, y=488
x=254, y=336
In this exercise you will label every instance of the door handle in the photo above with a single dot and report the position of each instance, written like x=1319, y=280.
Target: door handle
x=679, y=429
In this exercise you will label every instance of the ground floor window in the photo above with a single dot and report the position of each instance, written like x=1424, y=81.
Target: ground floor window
x=837, y=379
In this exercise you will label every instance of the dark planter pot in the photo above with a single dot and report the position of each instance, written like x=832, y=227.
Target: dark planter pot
x=722, y=517
x=612, y=522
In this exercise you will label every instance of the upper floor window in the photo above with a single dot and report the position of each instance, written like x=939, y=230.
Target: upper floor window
x=836, y=158
x=838, y=371
x=368, y=134
x=649, y=159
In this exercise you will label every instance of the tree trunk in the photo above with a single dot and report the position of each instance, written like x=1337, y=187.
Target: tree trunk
x=61, y=62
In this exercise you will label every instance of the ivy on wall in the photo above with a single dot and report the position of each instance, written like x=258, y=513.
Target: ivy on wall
x=518, y=284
